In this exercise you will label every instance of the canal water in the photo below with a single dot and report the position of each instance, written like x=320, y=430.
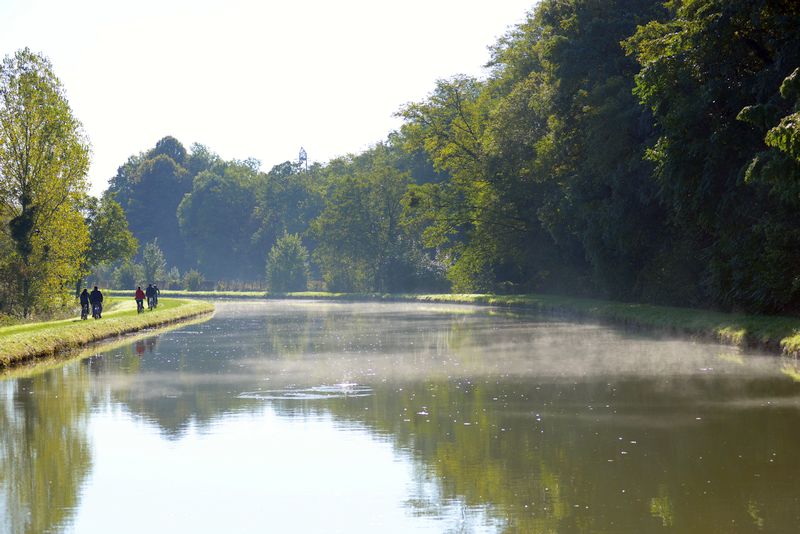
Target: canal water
x=300, y=416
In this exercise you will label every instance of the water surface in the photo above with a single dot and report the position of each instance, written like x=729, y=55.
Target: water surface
x=290, y=416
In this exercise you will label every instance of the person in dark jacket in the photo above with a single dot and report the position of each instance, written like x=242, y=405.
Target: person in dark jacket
x=84, y=303
x=150, y=293
x=96, y=298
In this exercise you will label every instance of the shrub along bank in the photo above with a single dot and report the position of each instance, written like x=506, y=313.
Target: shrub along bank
x=27, y=341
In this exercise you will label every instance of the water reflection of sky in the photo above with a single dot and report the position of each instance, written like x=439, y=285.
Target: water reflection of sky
x=257, y=472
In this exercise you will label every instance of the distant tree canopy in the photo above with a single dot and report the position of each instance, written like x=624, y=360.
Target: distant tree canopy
x=149, y=187
x=624, y=149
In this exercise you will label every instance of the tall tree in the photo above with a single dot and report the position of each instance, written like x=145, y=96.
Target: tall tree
x=149, y=187
x=700, y=69
x=153, y=263
x=110, y=238
x=362, y=245
x=44, y=158
x=216, y=221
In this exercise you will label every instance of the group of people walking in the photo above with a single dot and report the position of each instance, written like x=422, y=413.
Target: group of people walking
x=95, y=300
x=151, y=294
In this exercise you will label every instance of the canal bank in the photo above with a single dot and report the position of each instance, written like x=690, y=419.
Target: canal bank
x=777, y=334
x=21, y=343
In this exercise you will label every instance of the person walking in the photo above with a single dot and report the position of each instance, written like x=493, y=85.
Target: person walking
x=139, y=297
x=84, y=304
x=149, y=293
x=156, y=293
x=96, y=298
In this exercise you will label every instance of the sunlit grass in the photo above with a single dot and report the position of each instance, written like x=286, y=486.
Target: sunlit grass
x=21, y=342
x=32, y=367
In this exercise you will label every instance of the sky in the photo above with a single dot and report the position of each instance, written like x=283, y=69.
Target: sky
x=250, y=78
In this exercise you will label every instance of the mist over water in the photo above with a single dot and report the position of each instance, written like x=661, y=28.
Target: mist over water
x=349, y=417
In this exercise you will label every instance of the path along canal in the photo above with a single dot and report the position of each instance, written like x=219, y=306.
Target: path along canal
x=301, y=416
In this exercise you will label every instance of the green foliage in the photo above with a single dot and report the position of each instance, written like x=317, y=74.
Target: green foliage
x=109, y=237
x=216, y=220
x=149, y=187
x=287, y=200
x=44, y=158
x=128, y=275
x=173, y=279
x=711, y=63
x=154, y=264
x=192, y=280
x=625, y=149
x=362, y=244
x=287, y=265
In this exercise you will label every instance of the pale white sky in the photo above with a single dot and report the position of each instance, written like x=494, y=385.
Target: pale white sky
x=250, y=78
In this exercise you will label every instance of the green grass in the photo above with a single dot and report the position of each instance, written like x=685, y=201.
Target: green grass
x=34, y=340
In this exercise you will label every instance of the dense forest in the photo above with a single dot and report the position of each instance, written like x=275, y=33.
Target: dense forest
x=622, y=149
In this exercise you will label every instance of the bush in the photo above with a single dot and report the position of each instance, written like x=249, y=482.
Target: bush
x=287, y=265
x=155, y=266
x=192, y=280
x=173, y=280
x=128, y=275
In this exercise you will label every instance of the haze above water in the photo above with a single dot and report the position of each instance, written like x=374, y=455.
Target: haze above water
x=289, y=416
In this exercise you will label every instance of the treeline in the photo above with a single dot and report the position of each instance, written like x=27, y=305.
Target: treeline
x=341, y=224
x=625, y=149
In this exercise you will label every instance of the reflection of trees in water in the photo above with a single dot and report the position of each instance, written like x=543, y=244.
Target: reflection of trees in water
x=175, y=385
x=571, y=469
x=45, y=454
x=549, y=473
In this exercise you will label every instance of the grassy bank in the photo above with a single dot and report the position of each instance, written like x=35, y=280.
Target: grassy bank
x=26, y=341
x=774, y=333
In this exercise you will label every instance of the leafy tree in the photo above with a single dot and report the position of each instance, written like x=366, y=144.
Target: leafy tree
x=201, y=159
x=110, y=239
x=288, y=198
x=170, y=147
x=173, y=279
x=44, y=158
x=128, y=275
x=568, y=129
x=478, y=219
x=287, y=265
x=192, y=280
x=216, y=221
x=153, y=262
x=149, y=187
x=700, y=69
x=361, y=242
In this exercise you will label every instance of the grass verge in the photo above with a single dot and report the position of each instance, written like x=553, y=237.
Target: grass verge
x=24, y=342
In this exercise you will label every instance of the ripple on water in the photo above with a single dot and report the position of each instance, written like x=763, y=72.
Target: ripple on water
x=335, y=391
